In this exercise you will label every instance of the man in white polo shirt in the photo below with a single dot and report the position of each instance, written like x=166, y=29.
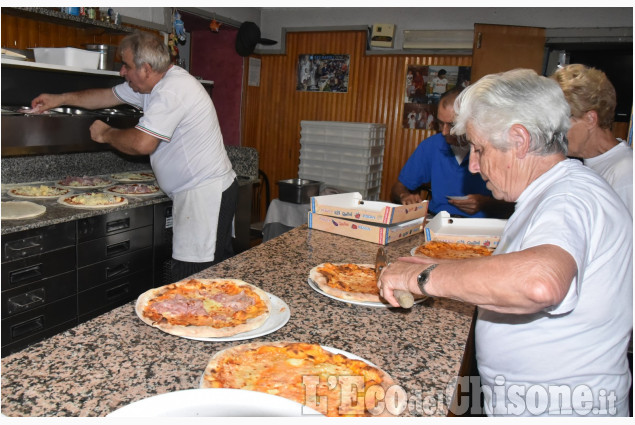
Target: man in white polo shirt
x=180, y=132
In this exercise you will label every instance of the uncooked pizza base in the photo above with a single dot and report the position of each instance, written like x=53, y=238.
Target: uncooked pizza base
x=18, y=210
x=204, y=331
x=134, y=177
x=63, y=200
x=321, y=281
x=244, y=369
x=113, y=190
x=14, y=193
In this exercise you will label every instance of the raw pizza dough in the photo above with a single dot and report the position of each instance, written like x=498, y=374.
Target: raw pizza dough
x=16, y=210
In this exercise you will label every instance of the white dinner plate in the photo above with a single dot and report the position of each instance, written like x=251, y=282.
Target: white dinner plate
x=280, y=314
x=457, y=197
x=314, y=285
x=207, y=402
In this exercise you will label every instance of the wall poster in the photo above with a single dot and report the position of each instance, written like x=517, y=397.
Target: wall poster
x=424, y=87
x=323, y=73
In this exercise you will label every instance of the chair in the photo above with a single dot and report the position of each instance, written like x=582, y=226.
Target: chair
x=257, y=214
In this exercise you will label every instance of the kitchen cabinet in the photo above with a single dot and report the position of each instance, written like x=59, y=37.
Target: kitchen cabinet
x=57, y=276
x=114, y=259
x=38, y=284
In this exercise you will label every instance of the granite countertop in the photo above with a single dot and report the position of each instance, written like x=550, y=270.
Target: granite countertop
x=115, y=359
x=57, y=213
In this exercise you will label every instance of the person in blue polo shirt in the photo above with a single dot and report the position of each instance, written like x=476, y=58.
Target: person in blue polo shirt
x=441, y=162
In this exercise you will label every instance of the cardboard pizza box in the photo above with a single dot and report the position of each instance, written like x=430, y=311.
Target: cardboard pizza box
x=381, y=234
x=471, y=231
x=352, y=206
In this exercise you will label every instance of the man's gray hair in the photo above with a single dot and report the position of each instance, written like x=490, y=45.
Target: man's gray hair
x=497, y=101
x=146, y=48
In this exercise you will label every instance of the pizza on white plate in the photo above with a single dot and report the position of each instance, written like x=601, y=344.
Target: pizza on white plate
x=134, y=176
x=84, y=182
x=329, y=381
x=37, y=191
x=134, y=189
x=92, y=200
x=205, y=308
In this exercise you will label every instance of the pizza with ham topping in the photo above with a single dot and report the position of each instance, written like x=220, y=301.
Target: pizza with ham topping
x=205, y=308
x=451, y=250
x=134, y=189
x=330, y=383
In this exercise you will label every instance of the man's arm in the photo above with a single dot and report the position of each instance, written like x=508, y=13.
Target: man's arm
x=400, y=194
x=493, y=207
x=88, y=99
x=129, y=141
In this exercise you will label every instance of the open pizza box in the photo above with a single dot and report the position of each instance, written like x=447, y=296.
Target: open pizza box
x=471, y=231
x=378, y=233
x=352, y=206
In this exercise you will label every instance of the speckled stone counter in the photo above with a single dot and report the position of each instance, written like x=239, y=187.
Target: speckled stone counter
x=116, y=359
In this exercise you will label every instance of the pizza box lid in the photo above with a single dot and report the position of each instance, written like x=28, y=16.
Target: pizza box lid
x=352, y=206
x=471, y=231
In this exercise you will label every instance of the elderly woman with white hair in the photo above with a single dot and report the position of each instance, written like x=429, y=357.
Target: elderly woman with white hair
x=554, y=302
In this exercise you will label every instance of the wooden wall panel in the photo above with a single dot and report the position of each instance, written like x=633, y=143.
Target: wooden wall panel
x=272, y=112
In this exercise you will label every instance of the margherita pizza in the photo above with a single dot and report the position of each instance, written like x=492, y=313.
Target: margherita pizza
x=330, y=383
x=84, y=182
x=354, y=282
x=132, y=176
x=92, y=200
x=134, y=189
x=37, y=192
x=451, y=250
x=205, y=308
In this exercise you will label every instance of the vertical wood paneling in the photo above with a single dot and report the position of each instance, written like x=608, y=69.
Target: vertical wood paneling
x=273, y=111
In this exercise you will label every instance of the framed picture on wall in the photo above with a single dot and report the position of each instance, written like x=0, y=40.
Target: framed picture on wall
x=323, y=73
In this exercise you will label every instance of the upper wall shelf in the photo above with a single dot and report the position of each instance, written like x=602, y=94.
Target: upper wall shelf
x=50, y=67
x=58, y=17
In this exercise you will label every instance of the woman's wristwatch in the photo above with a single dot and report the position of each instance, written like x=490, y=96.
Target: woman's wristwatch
x=423, y=279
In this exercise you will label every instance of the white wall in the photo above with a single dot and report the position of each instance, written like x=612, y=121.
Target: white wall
x=273, y=19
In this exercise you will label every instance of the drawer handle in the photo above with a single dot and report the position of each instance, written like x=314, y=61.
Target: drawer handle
x=118, y=291
x=26, y=301
x=117, y=270
x=23, y=247
x=17, y=276
x=30, y=326
x=113, y=226
x=117, y=248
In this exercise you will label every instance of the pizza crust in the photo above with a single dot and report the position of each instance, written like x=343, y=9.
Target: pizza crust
x=450, y=250
x=321, y=282
x=235, y=352
x=203, y=331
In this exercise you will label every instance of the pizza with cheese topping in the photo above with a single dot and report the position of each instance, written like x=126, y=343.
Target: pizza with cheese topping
x=355, y=282
x=451, y=250
x=132, y=176
x=92, y=200
x=134, y=189
x=331, y=383
x=205, y=308
x=84, y=182
x=37, y=192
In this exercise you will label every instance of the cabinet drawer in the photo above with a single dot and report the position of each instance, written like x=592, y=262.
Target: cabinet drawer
x=38, y=320
x=37, y=267
x=121, y=266
x=113, y=223
x=112, y=246
x=37, y=241
x=113, y=294
x=33, y=295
